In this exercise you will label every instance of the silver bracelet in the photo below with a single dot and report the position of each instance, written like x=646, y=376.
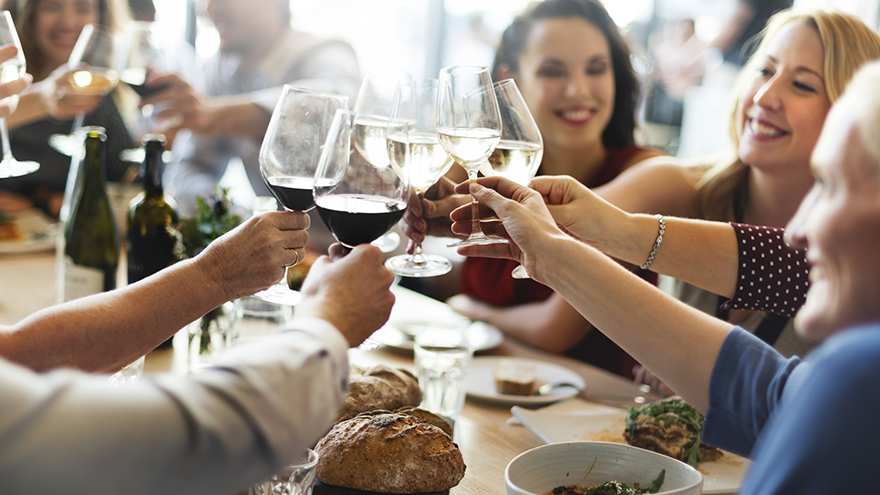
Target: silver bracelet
x=656, y=243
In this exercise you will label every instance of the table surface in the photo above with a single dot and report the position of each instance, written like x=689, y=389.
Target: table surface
x=487, y=442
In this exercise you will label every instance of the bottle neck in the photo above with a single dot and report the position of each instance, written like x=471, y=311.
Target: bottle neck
x=152, y=170
x=93, y=164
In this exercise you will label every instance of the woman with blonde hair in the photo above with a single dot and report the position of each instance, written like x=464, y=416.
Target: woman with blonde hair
x=48, y=30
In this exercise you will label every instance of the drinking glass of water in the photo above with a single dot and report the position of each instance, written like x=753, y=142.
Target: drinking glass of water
x=442, y=358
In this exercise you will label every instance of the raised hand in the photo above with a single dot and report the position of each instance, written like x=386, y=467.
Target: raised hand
x=59, y=98
x=430, y=215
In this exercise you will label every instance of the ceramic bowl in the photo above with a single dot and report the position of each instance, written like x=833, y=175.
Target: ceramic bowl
x=540, y=470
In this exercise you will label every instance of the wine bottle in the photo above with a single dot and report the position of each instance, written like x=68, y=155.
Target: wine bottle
x=91, y=237
x=151, y=246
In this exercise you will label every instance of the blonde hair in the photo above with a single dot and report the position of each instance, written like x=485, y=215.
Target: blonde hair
x=112, y=14
x=848, y=44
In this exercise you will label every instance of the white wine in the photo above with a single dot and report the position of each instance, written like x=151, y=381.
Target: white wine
x=10, y=71
x=420, y=156
x=91, y=238
x=369, y=140
x=468, y=146
x=94, y=81
x=514, y=160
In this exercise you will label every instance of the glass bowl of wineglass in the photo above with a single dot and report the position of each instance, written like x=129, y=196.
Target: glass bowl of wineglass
x=10, y=70
x=414, y=149
x=357, y=201
x=289, y=156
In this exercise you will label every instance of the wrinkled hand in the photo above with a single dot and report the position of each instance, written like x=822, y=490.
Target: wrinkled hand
x=10, y=90
x=576, y=209
x=59, y=97
x=252, y=257
x=642, y=375
x=180, y=105
x=351, y=291
x=430, y=214
x=524, y=220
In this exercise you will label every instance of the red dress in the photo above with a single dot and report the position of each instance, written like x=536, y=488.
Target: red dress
x=489, y=281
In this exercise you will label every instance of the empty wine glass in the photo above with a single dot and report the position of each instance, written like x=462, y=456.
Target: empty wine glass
x=518, y=154
x=373, y=109
x=93, y=58
x=415, y=150
x=469, y=128
x=289, y=156
x=357, y=201
x=11, y=70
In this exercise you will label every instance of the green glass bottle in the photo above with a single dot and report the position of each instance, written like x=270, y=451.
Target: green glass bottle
x=91, y=238
x=151, y=246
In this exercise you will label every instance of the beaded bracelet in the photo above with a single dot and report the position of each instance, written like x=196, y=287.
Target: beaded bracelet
x=656, y=243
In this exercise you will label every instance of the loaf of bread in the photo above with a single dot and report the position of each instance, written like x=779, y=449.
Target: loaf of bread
x=379, y=387
x=514, y=378
x=427, y=417
x=389, y=453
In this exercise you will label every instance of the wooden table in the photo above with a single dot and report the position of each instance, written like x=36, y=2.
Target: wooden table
x=487, y=442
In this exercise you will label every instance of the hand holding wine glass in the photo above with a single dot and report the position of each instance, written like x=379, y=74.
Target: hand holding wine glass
x=469, y=127
x=92, y=61
x=11, y=70
x=289, y=156
x=414, y=149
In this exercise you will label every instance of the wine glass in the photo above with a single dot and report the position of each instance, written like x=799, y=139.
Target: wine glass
x=92, y=59
x=289, y=155
x=414, y=149
x=373, y=109
x=11, y=70
x=518, y=154
x=469, y=128
x=357, y=201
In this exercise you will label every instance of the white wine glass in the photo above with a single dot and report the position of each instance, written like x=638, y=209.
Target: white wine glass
x=518, y=154
x=289, y=156
x=11, y=70
x=93, y=60
x=373, y=109
x=414, y=149
x=469, y=128
x=357, y=201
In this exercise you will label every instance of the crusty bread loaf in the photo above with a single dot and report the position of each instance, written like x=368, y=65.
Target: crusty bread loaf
x=379, y=387
x=514, y=378
x=427, y=417
x=389, y=453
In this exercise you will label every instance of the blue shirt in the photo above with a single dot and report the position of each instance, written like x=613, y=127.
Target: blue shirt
x=809, y=426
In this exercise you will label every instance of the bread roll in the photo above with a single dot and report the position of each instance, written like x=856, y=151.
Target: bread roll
x=428, y=417
x=379, y=387
x=389, y=453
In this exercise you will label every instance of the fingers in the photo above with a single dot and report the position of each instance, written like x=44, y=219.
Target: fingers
x=7, y=52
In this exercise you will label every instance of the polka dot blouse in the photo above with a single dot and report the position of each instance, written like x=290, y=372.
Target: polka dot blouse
x=772, y=275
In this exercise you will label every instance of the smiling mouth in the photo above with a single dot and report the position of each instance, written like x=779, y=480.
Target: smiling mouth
x=579, y=116
x=764, y=130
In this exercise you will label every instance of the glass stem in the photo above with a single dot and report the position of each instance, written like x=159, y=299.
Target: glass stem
x=418, y=257
x=476, y=230
x=7, y=150
x=77, y=122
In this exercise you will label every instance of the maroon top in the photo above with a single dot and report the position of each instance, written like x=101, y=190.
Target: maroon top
x=489, y=281
x=773, y=276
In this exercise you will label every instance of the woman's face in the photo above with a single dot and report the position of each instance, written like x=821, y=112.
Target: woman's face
x=567, y=79
x=784, y=104
x=57, y=26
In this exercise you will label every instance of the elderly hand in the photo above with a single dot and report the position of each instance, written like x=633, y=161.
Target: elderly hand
x=252, y=257
x=180, y=105
x=430, y=214
x=10, y=90
x=524, y=220
x=351, y=291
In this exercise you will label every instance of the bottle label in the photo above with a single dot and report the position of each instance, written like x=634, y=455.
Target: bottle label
x=81, y=281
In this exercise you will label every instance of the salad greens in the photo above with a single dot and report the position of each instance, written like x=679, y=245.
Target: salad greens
x=611, y=488
x=668, y=413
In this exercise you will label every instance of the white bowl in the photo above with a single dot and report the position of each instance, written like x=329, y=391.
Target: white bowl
x=540, y=470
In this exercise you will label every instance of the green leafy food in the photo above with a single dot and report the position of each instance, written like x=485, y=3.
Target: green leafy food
x=611, y=488
x=672, y=412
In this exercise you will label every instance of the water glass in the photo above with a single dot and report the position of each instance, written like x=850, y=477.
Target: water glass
x=130, y=373
x=442, y=358
x=295, y=479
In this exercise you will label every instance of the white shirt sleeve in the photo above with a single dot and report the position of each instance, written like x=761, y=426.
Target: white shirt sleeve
x=216, y=432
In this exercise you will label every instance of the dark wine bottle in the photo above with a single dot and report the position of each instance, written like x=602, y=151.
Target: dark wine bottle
x=91, y=238
x=151, y=246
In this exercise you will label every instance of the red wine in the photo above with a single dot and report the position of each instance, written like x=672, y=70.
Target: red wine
x=136, y=78
x=294, y=193
x=144, y=91
x=359, y=219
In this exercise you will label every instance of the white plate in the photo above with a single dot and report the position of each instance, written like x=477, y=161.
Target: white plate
x=481, y=383
x=38, y=231
x=482, y=335
x=592, y=422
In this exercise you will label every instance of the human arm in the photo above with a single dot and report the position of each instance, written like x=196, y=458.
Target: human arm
x=648, y=324
x=109, y=330
x=52, y=98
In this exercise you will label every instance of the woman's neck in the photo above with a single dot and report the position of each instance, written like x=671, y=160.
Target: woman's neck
x=583, y=164
x=773, y=198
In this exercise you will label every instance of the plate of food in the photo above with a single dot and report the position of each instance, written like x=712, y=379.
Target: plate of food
x=508, y=380
x=482, y=336
x=580, y=420
x=29, y=231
